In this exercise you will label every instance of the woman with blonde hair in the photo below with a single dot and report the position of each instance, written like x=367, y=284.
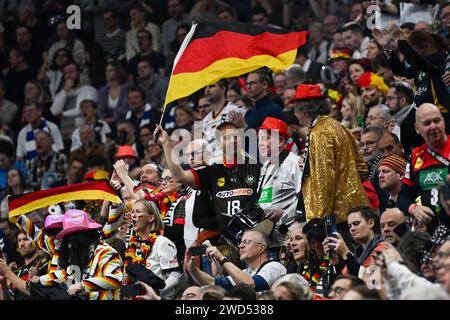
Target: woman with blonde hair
x=146, y=245
x=352, y=111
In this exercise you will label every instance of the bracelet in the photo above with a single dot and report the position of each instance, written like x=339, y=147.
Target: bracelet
x=411, y=209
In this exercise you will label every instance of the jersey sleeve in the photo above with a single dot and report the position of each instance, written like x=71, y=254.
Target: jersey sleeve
x=202, y=178
x=167, y=254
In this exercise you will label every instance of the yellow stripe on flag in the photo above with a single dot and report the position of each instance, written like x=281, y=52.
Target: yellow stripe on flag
x=184, y=84
x=63, y=197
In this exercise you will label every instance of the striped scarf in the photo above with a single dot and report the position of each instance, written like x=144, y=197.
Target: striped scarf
x=145, y=117
x=31, y=142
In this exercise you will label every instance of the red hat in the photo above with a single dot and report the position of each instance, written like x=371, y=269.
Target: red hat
x=275, y=124
x=308, y=92
x=125, y=151
x=75, y=221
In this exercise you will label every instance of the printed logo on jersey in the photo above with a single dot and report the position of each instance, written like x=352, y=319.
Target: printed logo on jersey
x=418, y=163
x=250, y=179
x=221, y=182
x=266, y=195
x=429, y=179
x=234, y=193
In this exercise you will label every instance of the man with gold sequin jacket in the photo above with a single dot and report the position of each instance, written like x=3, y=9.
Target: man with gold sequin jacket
x=334, y=168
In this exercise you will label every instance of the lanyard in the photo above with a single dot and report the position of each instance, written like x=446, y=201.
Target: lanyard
x=438, y=157
x=304, y=167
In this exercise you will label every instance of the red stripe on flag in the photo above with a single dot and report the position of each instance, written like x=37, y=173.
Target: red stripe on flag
x=21, y=200
x=201, y=53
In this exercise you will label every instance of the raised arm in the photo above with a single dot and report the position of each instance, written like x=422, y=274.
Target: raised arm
x=185, y=177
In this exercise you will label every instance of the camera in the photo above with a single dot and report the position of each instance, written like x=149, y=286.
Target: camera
x=197, y=251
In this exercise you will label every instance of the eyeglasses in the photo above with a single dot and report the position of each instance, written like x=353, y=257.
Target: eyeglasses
x=246, y=242
x=166, y=179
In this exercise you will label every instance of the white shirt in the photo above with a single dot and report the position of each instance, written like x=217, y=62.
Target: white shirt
x=163, y=257
x=280, y=188
x=270, y=272
x=82, y=93
x=76, y=141
x=22, y=138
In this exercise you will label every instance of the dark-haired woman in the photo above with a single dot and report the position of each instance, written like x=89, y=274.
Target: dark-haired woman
x=92, y=268
x=364, y=227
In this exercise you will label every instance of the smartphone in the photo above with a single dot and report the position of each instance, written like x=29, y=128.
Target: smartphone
x=131, y=290
x=197, y=251
x=330, y=226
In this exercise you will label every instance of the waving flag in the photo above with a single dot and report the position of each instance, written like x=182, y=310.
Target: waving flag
x=213, y=51
x=27, y=202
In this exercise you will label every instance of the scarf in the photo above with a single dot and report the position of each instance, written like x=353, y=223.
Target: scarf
x=145, y=117
x=138, y=250
x=402, y=114
x=362, y=254
x=31, y=151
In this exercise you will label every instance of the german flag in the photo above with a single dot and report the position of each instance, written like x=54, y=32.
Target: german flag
x=213, y=51
x=27, y=202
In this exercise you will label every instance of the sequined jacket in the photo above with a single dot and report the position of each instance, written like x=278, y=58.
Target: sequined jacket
x=336, y=169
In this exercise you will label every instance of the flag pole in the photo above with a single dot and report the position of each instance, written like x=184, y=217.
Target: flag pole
x=163, y=111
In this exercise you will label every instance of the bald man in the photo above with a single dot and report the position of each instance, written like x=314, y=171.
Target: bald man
x=388, y=221
x=427, y=168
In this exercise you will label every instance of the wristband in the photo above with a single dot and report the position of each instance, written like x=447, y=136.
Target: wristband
x=411, y=209
x=224, y=260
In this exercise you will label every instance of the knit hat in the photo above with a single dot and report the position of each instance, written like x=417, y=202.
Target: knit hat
x=370, y=79
x=396, y=163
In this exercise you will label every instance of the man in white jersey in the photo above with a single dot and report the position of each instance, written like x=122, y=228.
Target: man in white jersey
x=280, y=178
x=221, y=109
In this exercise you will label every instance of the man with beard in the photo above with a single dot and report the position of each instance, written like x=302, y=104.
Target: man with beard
x=66, y=104
x=369, y=148
x=373, y=89
x=222, y=111
x=428, y=167
x=399, y=99
x=232, y=182
x=35, y=264
x=391, y=172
